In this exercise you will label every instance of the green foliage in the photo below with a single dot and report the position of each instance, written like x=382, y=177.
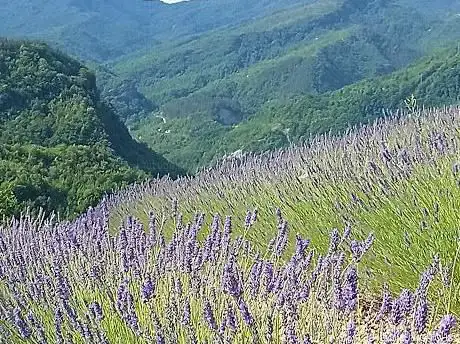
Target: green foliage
x=61, y=148
x=316, y=48
x=434, y=81
x=63, y=178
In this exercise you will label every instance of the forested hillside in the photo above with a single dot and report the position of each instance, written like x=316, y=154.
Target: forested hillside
x=61, y=147
x=434, y=81
x=242, y=75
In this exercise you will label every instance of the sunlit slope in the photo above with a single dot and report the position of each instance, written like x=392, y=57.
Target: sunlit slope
x=213, y=88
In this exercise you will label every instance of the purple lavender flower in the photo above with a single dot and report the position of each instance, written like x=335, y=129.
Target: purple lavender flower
x=38, y=328
x=356, y=248
x=215, y=224
x=254, y=216
x=62, y=284
x=446, y=325
x=369, y=241
x=121, y=296
x=269, y=328
x=407, y=301
x=347, y=232
x=386, y=306
x=307, y=340
x=72, y=315
x=178, y=287
x=152, y=229
x=351, y=332
x=421, y=316
x=301, y=246
x=281, y=240
x=247, y=220
x=407, y=337
x=96, y=311
x=290, y=336
x=186, y=313
x=334, y=240
x=402, y=306
x=159, y=336
x=425, y=280
x=228, y=226
x=148, y=290
x=21, y=325
x=58, y=321
x=267, y=272
x=247, y=317
x=230, y=279
x=254, y=277
x=230, y=318
x=174, y=207
x=339, y=302
x=350, y=289
x=209, y=316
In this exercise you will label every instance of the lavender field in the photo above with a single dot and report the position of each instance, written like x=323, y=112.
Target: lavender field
x=343, y=240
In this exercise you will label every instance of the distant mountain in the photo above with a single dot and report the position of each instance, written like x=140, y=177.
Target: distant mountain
x=208, y=86
x=61, y=146
x=108, y=29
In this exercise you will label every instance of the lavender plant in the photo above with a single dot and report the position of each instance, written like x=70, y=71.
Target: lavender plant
x=77, y=282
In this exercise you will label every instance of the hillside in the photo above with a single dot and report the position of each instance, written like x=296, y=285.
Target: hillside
x=61, y=147
x=324, y=141
x=205, y=86
x=433, y=80
x=192, y=79
x=396, y=177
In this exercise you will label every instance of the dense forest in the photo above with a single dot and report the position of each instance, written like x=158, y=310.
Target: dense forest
x=61, y=147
